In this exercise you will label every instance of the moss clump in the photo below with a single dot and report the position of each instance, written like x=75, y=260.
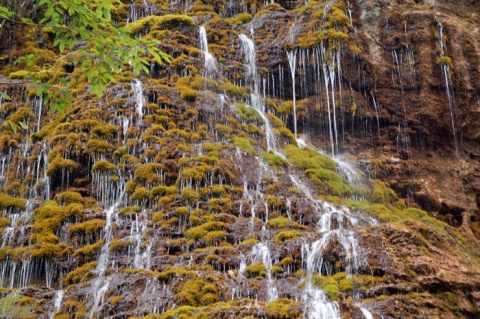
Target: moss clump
x=240, y=18
x=88, y=227
x=244, y=144
x=283, y=222
x=69, y=197
x=151, y=23
x=283, y=308
x=445, y=61
x=88, y=250
x=256, y=269
x=59, y=163
x=103, y=166
x=274, y=160
x=80, y=273
x=330, y=287
x=286, y=236
x=14, y=305
x=7, y=201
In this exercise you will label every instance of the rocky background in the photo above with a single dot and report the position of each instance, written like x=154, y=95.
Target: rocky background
x=160, y=199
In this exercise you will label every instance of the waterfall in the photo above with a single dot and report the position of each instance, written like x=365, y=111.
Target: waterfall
x=97, y=291
x=256, y=100
x=260, y=252
x=447, y=77
x=292, y=61
x=139, y=97
x=210, y=64
x=57, y=303
x=367, y=314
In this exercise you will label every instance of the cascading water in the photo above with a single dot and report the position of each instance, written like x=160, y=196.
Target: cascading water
x=260, y=252
x=256, y=100
x=210, y=64
x=292, y=61
x=57, y=303
x=98, y=290
x=445, y=62
x=139, y=97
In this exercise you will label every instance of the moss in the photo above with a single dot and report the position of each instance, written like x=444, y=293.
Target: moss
x=69, y=197
x=115, y=300
x=256, y=269
x=330, y=287
x=241, y=18
x=196, y=232
x=151, y=23
x=19, y=75
x=283, y=308
x=244, y=144
x=80, y=273
x=59, y=163
x=444, y=61
x=140, y=195
x=220, y=205
x=4, y=222
x=282, y=222
x=7, y=201
x=14, y=305
x=117, y=245
x=103, y=166
x=148, y=173
x=88, y=250
x=214, y=237
x=286, y=236
x=382, y=193
x=99, y=146
x=250, y=241
x=274, y=160
x=87, y=227
x=189, y=194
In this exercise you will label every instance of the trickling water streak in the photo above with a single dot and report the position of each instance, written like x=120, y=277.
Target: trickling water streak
x=57, y=303
x=139, y=97
x=366, y=313
x=38, y=108
x=257, y=102
x=375, y=105
x=261, y=252
x=292, y=61
x=444, y=63
x=210, y=65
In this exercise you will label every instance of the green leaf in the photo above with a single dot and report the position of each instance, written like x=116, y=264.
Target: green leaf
x=5, y=96
x=23, y=125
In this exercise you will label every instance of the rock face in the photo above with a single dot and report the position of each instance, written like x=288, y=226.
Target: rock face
x=314, y=159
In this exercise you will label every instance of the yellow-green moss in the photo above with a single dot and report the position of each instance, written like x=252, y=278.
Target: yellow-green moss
x=7, y=201
x=87, y=227
x=80, y=273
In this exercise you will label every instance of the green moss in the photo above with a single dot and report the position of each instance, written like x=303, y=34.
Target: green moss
x=14, y=305
x=103, y=166
x=256, y=269
x=87, y=227
x=117, y=245
x=168, y=21
x=7, y=201
x=88, y=250
x=274, y=160
x=69, y=197
x=214, y=237
x=241, y=18
x=282, y=222
x=330, y=287
x=244, y=144
x=59, y=163
x=286, y=236
x=19, y=75
x=444, y=61
x=250, y=241
x=283, y=308
x=140, y=195
x=83, y=272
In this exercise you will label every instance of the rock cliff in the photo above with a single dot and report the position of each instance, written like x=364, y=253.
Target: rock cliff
x=295, y=159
